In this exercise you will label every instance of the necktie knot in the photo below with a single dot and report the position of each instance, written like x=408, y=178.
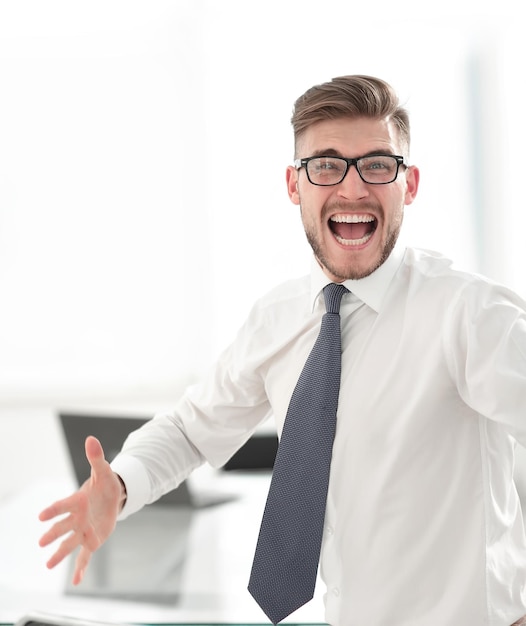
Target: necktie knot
x=333, y=294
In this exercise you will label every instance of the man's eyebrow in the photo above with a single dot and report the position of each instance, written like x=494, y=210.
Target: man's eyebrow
x=337, y=153
x=327, y=152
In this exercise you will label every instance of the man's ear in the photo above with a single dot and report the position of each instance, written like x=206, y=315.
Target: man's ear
x=292, y=184
x=412, y=177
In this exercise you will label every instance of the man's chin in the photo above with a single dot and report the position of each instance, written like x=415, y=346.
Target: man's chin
x=352, y=264
x=356, y=273
x=355, y=270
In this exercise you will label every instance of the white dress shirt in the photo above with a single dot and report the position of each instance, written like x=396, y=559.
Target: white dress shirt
x=423, y=521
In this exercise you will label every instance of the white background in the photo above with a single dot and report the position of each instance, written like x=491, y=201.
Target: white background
x=143, y=146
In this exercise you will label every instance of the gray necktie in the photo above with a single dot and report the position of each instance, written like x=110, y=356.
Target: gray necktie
x=288, y=550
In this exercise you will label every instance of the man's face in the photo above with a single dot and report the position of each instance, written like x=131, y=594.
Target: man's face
x=352, y=226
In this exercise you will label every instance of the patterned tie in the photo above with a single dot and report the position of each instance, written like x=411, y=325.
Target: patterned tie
x=285, y=564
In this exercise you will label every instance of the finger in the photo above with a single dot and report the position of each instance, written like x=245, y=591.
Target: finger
x=56, y=531
x=64, y=550
x=60, y=507
x=76, y=505
x=81, y=563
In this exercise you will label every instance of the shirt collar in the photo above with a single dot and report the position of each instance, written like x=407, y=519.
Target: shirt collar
x=370, y=290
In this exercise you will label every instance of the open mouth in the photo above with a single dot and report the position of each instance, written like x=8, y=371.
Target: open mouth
x=352, y=230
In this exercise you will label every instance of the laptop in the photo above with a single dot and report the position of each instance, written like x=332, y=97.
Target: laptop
x=144, y=557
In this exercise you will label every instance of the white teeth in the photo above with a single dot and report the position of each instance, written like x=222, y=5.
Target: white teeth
x=352, y=219
x=353, y=242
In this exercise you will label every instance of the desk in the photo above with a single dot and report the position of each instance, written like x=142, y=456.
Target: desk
x=221, y=545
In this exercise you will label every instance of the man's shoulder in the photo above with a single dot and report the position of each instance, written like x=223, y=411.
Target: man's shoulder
x=279, y=309
x=289, y=293
x=431, y=272
x=429, y=265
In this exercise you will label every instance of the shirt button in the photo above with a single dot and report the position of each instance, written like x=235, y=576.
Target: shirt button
x=335, y=592
x=330, y=530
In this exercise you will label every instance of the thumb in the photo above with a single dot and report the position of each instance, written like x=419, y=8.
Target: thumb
x=95, y=454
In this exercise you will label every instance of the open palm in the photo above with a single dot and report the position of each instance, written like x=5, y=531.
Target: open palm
x=89, y=515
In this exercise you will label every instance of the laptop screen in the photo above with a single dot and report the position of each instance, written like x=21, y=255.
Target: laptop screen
x=111, y=431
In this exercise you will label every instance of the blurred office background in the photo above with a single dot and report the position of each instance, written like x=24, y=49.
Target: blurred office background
x=143, y=206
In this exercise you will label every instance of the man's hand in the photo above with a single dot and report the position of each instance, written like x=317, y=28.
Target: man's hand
x=90, y=514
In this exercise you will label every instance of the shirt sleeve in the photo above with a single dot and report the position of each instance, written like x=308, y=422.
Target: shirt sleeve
x=209, y=424
x=485, y=343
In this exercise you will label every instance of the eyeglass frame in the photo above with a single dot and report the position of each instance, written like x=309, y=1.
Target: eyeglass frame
x=400, y=160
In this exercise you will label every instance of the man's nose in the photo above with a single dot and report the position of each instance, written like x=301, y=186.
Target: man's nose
x=352, y=186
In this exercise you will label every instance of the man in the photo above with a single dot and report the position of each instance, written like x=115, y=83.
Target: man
x=422, y=521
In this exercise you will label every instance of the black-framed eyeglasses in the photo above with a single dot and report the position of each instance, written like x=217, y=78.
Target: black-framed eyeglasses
x=374, y=169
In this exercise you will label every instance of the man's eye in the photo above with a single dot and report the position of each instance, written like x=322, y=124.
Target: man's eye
x=376, y=165
x=326, y=165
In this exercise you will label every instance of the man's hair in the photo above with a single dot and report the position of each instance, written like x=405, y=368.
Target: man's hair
x=352, y=97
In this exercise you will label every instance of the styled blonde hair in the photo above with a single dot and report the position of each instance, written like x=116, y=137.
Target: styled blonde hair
x=353, y=97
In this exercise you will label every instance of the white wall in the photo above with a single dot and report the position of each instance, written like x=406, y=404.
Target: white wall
x=143, y=146
x=102, y=218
